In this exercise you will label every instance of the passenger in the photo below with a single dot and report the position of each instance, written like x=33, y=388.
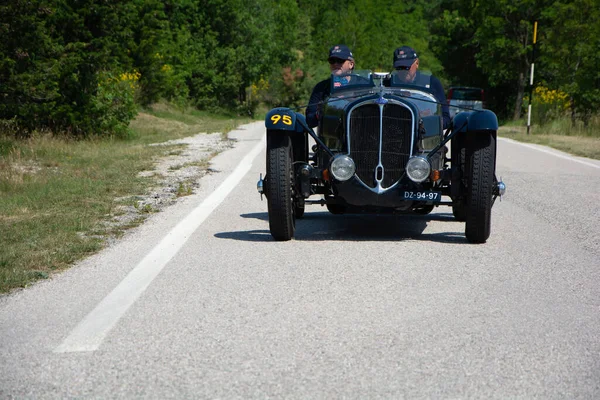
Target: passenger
x=341, y=62
x=406, y=63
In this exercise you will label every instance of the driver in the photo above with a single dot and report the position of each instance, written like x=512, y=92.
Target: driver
x=406, y=64
x=341, y=62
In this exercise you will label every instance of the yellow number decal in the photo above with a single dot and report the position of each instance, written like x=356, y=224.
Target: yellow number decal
x=286, y=119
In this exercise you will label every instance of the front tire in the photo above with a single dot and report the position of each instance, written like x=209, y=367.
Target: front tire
x=280, y=178
x=458, y=153
x=481, y=165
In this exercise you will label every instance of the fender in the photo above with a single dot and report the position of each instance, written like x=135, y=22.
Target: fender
x=474, y=121
x=284, y=119
x=460, y=121
x=483, y=120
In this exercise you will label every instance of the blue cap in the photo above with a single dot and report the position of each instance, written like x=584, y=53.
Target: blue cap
x=340, y=51
x=404, y=56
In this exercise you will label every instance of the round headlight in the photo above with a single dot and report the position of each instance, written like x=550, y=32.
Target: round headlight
x=418, y=169
x=342, y=168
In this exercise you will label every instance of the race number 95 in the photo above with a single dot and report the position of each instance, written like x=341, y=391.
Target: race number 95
x=286, y=119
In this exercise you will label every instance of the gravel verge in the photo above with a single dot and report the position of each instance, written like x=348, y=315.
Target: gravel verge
x=178, y=174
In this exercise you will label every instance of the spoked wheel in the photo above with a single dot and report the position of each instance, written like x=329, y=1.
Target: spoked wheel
x=280, y=180
x=481, y=164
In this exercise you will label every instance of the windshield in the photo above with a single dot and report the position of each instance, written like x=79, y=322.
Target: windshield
x=417, y=91
x=421, y=81
x=345, y=88
x=354, y=80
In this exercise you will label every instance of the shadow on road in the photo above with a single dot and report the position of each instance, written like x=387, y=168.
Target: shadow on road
x=320, y=226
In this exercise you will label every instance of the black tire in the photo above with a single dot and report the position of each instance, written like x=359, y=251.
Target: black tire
x=336, y=208
x=481, y=165
x=280, y=175
x=459, y=208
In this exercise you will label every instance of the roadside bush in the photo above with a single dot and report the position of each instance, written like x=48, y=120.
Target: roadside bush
x=287, y=87
x=105, y=106
x=113, y=106
x=549, y=105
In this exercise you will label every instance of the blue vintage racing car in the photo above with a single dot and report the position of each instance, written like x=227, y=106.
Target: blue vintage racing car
x=380, y=147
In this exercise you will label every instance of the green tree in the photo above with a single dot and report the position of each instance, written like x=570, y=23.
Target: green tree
x=492, y=42
x=29, y=73
x=372, y=29
x=570, y=54
x=53, y=55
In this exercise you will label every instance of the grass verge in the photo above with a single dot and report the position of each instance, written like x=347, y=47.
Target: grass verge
x=58, y=196
x=559, y=135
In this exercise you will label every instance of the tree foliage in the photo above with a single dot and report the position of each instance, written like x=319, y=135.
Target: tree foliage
x=570, y=53
x=82, y=66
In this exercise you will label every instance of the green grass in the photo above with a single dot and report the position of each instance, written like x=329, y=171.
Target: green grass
x=559, y=134
x=58, y=195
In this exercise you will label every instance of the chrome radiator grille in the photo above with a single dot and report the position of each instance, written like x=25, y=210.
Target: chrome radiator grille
x=380, y=142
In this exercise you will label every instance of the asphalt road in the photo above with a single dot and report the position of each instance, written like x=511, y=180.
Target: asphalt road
x=200, y=302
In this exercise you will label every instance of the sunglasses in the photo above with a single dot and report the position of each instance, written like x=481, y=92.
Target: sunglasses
x=336, y=61
x=403, y=68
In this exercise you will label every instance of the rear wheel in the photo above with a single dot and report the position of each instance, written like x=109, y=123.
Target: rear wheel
x=280, y=179
x=481, y=163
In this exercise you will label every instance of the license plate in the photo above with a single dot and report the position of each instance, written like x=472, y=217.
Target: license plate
x=423, y=196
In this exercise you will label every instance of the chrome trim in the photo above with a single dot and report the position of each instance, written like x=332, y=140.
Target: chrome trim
x=428, y=164
x=501, y=188
x=337, y=157
x=378, y=189
x=260, y=186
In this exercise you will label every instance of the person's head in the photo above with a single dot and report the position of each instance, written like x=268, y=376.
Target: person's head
x=406, y=63
x=341, y=60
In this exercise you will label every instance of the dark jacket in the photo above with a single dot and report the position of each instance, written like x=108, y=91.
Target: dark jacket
x=320, y=92
x=438, y=91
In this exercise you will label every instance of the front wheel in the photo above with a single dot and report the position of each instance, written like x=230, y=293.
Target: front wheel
x=458, y=153
x=481, y=165
x=280, y=176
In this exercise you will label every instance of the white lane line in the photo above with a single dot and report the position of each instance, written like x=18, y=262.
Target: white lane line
x=566, y=157
x=91, y=331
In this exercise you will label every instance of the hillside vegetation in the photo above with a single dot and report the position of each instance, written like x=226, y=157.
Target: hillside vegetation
x=75, y=74
x=82, y=67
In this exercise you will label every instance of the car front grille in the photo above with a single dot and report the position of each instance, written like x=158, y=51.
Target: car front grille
x=368, y=144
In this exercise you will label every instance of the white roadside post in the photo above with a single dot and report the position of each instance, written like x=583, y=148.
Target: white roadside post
x=531, y=76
